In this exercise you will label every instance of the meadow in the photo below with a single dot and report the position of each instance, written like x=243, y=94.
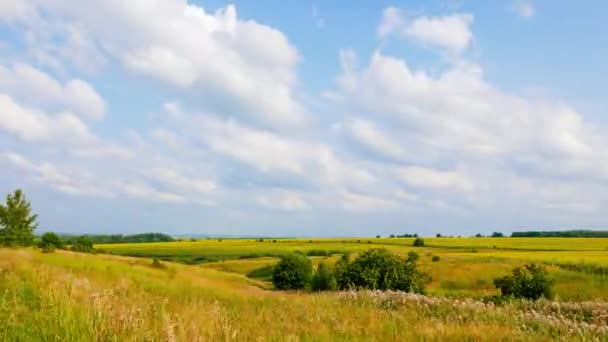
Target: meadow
x=220, y=290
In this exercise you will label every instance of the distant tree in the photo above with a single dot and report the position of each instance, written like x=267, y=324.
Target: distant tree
x=17, y=223
x=435, y=258
x=50, y=241
x=293, y=272
x=419, y=242
x=478, y=235
x=530, y=282
x=83, y=244
x=438, y=235
x=377, y=236
x=497, y=234
x=415, y=235
x=323, y=278
x=392, y=236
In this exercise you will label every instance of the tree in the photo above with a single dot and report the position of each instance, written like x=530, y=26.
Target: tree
x=17, y=223
x=438, y=235
x=497, y=234
x=378, y=269
x=293, y=272
x=50, y=241
x=341, y=274
x=83, y=244
x=478, y=235
x=530, y=282
x=323, y=279
x=419, y=242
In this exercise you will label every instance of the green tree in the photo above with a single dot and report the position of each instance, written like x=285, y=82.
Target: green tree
x=50, y=241
x=419, y=242
x=323, y=279
x=83, y=244
x=378, y=269
x=293, y=272
x=17, y=223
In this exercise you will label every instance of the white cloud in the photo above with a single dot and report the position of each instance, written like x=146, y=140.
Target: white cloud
x=363, y=203
x=251, y=64
x=367, y=133
x=271, y=153
x=435, y=179
x=32, y=125
x=283, y=200
x=71, y=181
x=26, y=83
x=524, y=8
x=452, y=32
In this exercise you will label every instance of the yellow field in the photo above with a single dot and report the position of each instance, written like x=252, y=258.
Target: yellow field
x=67, y=296
x=467, y=266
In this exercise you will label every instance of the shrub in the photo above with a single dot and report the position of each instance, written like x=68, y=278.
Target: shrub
x=529, y=282
x=341, y=274
x=419, y=242
x=83, y=244
x=49, y=242
x=378, y=269
x=435, y=258
x=323, y=279
x=293, y=272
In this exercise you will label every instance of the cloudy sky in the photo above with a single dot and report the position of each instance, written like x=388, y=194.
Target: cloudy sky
x=305, y=118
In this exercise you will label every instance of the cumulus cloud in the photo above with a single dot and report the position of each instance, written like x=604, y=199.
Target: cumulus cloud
x=27, y=83
x=451, y=32
x=32, y=125
x=183, y=45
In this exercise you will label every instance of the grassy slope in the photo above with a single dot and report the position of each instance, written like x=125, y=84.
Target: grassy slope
x=76, y=297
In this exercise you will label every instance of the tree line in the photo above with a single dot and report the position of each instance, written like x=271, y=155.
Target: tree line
x=564, y=233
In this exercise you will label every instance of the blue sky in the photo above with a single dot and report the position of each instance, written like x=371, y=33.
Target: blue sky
x=305, y=118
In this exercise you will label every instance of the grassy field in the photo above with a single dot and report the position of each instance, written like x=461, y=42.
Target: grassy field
x=467, y=266
x=66, y=296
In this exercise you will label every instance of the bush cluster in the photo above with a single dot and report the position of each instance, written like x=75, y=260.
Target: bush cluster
x=375, y=269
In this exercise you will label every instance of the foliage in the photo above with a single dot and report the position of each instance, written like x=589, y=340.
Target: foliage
x=530, y=282
x=119, y=238
x=50, y=241
x=378, y=269
x=435, y=258
x=497, y=234
x=157, y=264
x=293, y=272
x=419, y=242
x=17, y=223
x=565, y=233
x=341, y=272
x=478, y=235
x=323, y=278
x=83, y=244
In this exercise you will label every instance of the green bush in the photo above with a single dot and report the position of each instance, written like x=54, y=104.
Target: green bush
x=419, y=242
x=341, y=272
x=49, y=242
x=378, y=269
x=530, y=282
x=323, y=279
x=435, y=258
x=83, y=244
x=293, y=272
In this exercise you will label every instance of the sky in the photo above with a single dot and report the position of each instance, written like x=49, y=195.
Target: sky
x=298, y=118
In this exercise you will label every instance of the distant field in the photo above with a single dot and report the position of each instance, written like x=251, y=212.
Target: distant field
x=466, y=268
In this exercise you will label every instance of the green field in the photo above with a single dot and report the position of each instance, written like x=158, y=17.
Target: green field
x=220, y=290
x=466, y=268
